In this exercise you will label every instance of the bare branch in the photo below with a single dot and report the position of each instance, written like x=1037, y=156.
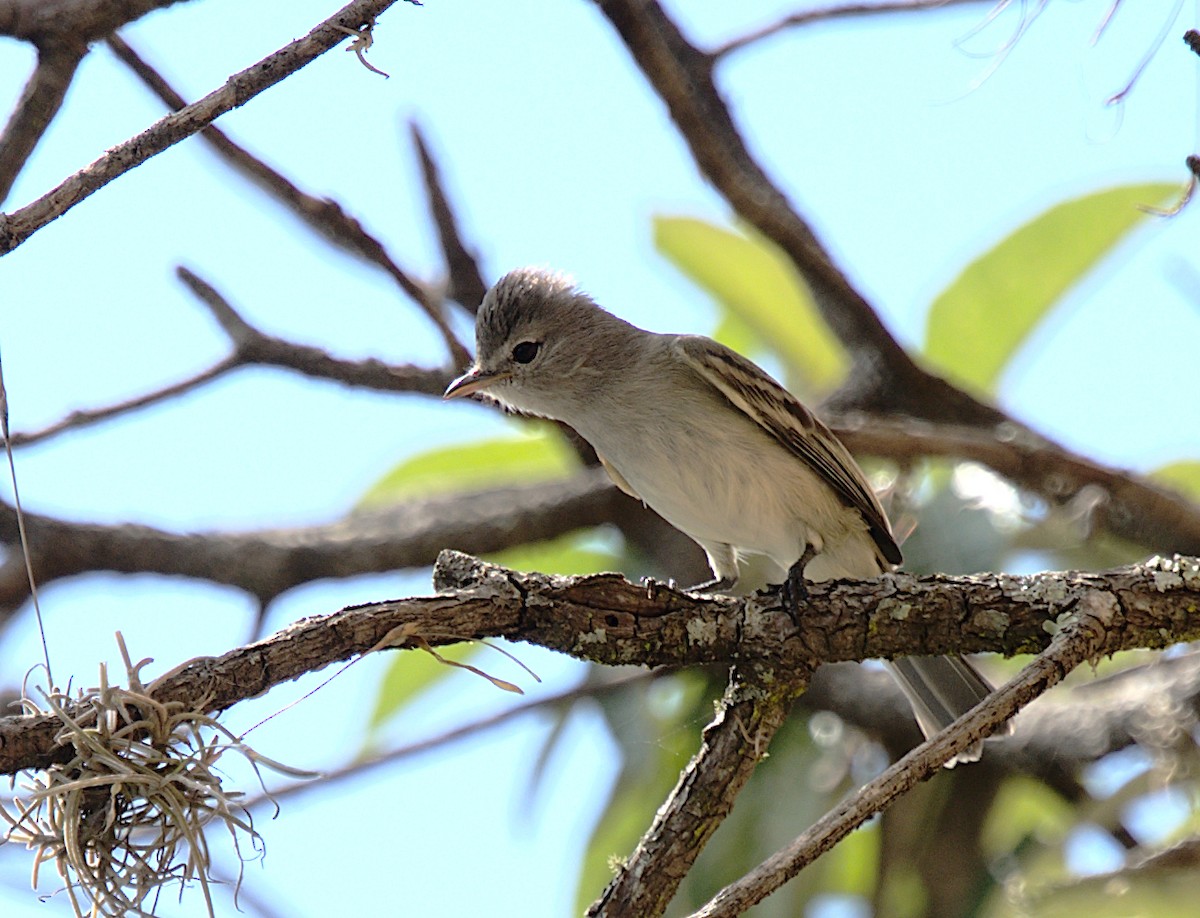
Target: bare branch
x=255, y=347
x=1084, y=638
x=79, y=419
x=466, y=284
x=1127, y=505
x=46, y=22
x=359, y=767
x=608, y=620
x=325, y=216
x=268, y=562
x=39, y=103
x=751, y=712
x=884, y=377
x=830, y=13
x=239, y=89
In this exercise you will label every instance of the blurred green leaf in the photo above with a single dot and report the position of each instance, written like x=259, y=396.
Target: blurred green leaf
x=539, y=455
x=1154, y=893
x=754, y=281
x=574, y=553
x=658, y=728
x=1024, y=809
x=978, y=323
x=1182, y=476
x=409, y=675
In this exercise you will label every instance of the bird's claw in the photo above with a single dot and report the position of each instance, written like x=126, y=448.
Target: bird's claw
x=652, y=585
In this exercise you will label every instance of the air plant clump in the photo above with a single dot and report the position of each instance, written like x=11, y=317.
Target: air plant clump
x=127, y=814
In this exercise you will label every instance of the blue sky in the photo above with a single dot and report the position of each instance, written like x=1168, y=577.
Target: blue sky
x=555, y=153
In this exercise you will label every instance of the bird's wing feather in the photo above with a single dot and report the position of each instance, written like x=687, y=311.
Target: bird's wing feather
x=780, y=413
x=617, y=478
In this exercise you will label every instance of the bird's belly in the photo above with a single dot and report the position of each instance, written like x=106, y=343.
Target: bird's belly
x=743, y=491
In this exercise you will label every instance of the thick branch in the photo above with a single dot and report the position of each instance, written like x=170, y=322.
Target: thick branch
x=750, y=714
x=239, y=89
x=268, y=562
x=1129, y=506
x=39, y=103
x=885, y=378
x=606, y=619
x=75, y=21
x=1083, y=638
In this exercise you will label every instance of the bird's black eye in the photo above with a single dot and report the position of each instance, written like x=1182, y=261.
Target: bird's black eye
x=526, y=351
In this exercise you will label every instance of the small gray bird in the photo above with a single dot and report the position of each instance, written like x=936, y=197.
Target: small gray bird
x=708, y=440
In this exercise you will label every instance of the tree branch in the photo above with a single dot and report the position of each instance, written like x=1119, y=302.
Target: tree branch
x=75, y=21
x=1083, y=638
x=268, y=562
x=754, y=707
x=831, y=13
x=39, y=103
x=884, y=377
x=1129, y=506
x=608, y=620
x=325, y=216
x=239, y=89
x=465, y=281
x=255, y=347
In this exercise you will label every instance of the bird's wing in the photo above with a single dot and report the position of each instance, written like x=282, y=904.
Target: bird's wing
x=780, y=413
x=618, y=478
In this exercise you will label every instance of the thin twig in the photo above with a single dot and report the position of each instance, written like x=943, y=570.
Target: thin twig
x=588, y=690
x=86, y=418
x=1082, y=639
x=25, y=552
x=236, y=91
x=255, y=347
x=830, y=13
x=466, y=284
x=325, y=216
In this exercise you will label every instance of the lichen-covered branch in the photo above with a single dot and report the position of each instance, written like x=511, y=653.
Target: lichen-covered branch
x=1081, y=638
x=606, y=619
x=755, y=705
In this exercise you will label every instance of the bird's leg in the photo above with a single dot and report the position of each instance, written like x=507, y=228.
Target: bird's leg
x=716, y=585
x=794, y=587
x=652, y=584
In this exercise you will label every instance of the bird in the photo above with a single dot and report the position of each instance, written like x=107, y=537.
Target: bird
x=712, y=443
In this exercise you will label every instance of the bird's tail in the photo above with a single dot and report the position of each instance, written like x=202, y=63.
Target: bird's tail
x=941, y=689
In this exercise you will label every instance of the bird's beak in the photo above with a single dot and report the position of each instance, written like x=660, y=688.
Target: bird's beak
x=474, y=380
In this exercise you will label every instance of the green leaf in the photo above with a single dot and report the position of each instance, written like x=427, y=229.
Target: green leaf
x=1183, y=476
x=572, y=554
x=657, y=728
x=751, y=279
x=978, y=323
x=540, y=455
x=410, y=674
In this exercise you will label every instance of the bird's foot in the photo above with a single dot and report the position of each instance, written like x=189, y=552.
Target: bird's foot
x=794, y=589
x=716, y=585
x=652, y=585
